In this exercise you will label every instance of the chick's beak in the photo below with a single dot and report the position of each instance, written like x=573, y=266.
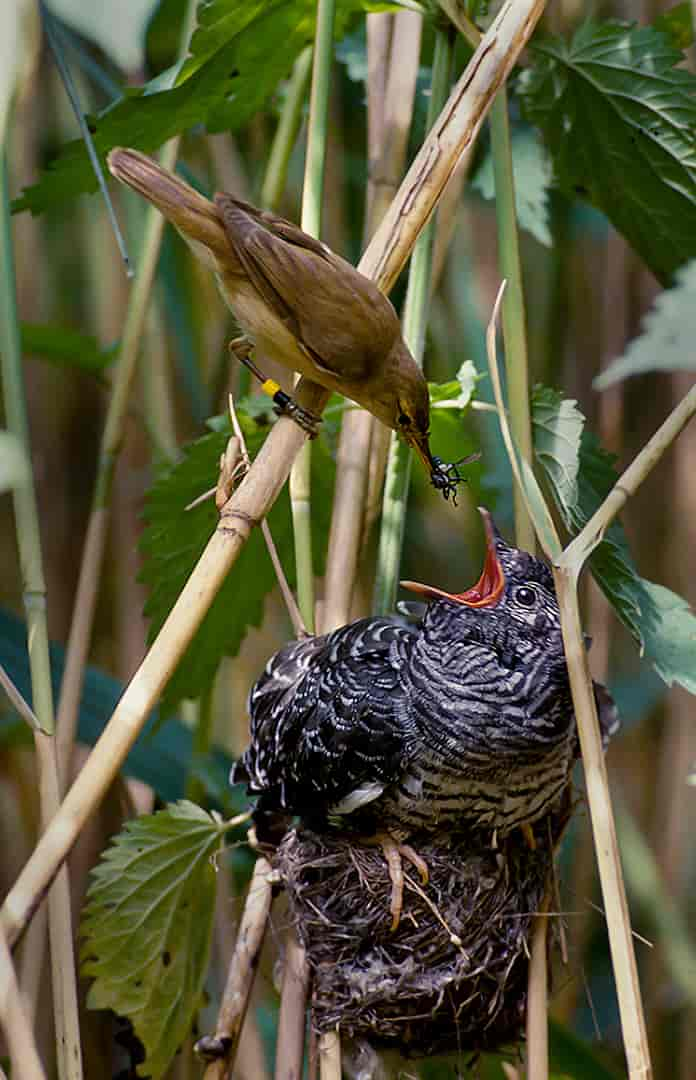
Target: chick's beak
x=489, y=587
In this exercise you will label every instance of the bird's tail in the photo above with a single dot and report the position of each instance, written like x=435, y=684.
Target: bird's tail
x=192, y=214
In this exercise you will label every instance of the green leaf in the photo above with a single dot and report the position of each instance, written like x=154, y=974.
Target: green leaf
x=533, y=173
x=573, y=1057
x=620, y=120
x=174, y=539
x=660, y=621
x=558, y=425
x=66, y=348
x=450, y=438
x=667, y=340
x=677, y=23
x=147, y=926
x=239, y=54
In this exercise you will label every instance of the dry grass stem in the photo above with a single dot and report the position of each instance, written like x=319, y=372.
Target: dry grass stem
x=330, y=1056
x=242, y=969
x=361, y=433
x=537, y=1023
x=24, y=1056
x=382, y=261
x=604, y=830
x=292, y=1020
x=18, y=702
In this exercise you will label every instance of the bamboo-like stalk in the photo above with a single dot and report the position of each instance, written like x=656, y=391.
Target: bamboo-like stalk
x=312, y=198
x=514, y=318
x=97, y=529
x=537, y=1023
x=361, y=434
x=67, y=1027
x=286, y=133
x=24, y=1057
x=382, y=262
x=292, y=1019
x=330, y=1056
x=242, y=969
x=397, y=482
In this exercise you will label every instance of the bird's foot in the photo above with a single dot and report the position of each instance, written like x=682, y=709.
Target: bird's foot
x=394, y=853
x=284, y=404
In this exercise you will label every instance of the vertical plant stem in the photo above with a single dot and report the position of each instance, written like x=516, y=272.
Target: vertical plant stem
x=19, y=1037
x=414, y=323
x=292, y=1018
x=364, y=440
x=312, y=196
x=286, y=133
x=514, y=319
x=537, y=1024
x=330, y=1056
x=95, y=540
x=69, y=1054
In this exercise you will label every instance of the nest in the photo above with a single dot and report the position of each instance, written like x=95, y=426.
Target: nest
x=453, y=976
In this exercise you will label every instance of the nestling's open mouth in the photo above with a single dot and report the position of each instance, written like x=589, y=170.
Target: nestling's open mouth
x=489, y=587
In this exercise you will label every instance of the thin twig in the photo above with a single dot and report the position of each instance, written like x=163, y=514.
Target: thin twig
x=582, y=546
x=382, y=261
x=292, y=1019
x=288, y=595
x=22, y=707
x=242, y=970
x=24, y=1057
x=47, y=18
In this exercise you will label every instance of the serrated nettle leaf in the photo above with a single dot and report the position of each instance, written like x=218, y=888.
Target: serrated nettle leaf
x=620, y=120
x=661, y=622
x=174, y=539
x=667, y=342
x=147, y=926
x=558, y=426
x=239, y=55
x=533, y=175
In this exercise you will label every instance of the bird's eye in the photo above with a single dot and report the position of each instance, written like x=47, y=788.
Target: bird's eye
x=526, y=596
x=404, y=420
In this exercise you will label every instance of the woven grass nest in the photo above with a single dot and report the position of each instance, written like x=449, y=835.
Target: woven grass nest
x=453, y=976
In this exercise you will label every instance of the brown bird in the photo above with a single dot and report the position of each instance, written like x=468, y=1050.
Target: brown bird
x=299, y=302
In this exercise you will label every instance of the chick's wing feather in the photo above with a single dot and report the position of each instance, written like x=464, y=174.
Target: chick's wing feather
x=328, y=717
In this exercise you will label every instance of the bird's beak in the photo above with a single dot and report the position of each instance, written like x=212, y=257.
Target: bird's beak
x=419, y=442
x=192, y=214
x=489, y=587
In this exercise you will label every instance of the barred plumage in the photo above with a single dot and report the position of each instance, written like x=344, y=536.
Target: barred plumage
x=463, y=718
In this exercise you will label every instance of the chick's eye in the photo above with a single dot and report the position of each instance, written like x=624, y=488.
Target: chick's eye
x=526, y=596
x=404, y=420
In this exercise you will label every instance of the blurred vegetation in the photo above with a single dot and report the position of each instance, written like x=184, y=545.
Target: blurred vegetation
x=603, y=120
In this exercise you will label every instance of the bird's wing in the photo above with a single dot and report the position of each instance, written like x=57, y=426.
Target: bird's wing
x=328, y=720
x=341, y=320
